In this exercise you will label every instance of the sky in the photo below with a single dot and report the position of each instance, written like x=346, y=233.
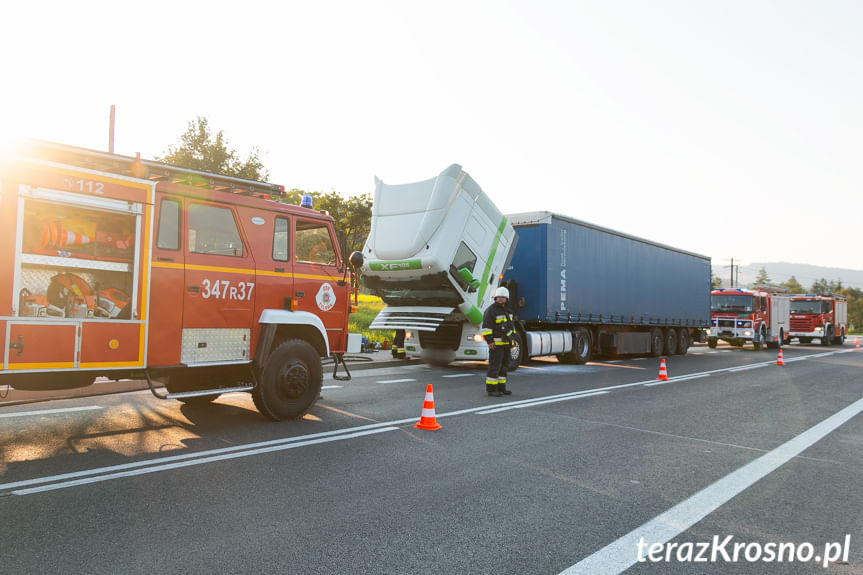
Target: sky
x=731, y=128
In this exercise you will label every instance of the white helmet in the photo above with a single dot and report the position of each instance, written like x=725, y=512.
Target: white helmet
x=501, y=292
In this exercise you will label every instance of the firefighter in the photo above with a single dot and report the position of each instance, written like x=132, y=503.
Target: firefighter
x=498, y=330
x=399, y=345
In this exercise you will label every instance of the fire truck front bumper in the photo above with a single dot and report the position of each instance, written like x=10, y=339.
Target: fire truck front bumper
x=731, y=334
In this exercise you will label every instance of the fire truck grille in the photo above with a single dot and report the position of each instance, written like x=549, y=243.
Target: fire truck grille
x=726, y=323
x=444, y=337
x=800, y=324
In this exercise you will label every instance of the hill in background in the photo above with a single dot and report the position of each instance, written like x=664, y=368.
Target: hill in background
x=779, y=272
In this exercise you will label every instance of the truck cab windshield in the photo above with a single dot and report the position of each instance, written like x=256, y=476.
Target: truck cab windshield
x=806, y=307
x=731, y=303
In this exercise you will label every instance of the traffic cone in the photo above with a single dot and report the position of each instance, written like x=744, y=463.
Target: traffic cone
x=856, y=344
x=780, y=360
x=663, y=374
x=428, y=419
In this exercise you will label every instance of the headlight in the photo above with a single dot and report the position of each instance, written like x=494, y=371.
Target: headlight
x=477, y=337
x=409, y=335
x=747, y=333
x=819, y=328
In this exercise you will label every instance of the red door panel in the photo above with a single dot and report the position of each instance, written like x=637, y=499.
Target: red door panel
x=42, y=345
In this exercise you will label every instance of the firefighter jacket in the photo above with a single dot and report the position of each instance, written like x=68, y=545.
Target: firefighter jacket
x=497, y=326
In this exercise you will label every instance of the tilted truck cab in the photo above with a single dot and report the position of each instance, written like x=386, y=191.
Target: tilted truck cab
x=121, y=268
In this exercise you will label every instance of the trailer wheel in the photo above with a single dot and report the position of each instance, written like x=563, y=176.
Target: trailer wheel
x=657, y=342
x=516, y=353
x=670, y=341
x=290, y=382
x=683, y=341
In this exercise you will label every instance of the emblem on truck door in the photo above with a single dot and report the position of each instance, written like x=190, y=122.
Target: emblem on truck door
x=326, y=297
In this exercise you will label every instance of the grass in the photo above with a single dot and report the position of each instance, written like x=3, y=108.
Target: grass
x=367, y=309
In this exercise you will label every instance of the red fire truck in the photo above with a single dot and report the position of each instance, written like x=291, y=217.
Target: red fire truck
x=123, y=268
x=739, y=316
x=822, y=317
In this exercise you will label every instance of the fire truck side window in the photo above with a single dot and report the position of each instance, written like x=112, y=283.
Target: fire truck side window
x=281, y=240
x=825, y=307
x=169, y=225
x=213, y=230
x=313, y=243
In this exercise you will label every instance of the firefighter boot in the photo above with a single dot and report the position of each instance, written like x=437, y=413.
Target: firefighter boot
x=491, y=388
x=501, y=387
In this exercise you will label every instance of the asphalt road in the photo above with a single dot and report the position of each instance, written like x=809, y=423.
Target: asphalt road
x=566, y=475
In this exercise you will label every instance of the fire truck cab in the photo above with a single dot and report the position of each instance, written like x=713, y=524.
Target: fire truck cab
x=822, y=317
x=121, y=268
x=739, y=316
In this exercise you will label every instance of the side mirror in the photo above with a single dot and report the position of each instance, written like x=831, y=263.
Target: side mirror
x=356, y=259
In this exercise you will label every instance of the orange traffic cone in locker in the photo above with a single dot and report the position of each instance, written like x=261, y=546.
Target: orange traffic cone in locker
x=663, y=373
x=428, y=419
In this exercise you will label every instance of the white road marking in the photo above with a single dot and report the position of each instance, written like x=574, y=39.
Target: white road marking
x=193, y=459
x=331, y=387
x=51, y=411
x=460, y=375
x=622, y=554
x=395, y=380
x=540, y=402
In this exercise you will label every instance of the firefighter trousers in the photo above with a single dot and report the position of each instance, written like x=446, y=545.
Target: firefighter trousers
x=495, y=377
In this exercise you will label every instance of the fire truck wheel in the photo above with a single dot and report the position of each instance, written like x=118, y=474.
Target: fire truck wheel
x=828, y=337
x=683, y=341
x=758, y=342
x=712, y=342
x=291, y=381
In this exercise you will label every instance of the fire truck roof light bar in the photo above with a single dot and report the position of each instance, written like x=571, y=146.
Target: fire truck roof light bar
x=118, y=164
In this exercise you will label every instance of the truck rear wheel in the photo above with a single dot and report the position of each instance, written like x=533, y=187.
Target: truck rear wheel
x=657, y=342
x=683, y=341
x=670, y=341
x=516, y=353
x=290, y=382
x=581, y=345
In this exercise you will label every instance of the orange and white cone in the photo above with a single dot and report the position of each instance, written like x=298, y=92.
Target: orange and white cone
x=663, y=373
x=428, y=420
x=780, y=360
x=856, y=344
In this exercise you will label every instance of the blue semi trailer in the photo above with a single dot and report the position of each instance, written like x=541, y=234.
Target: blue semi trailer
x=580, y=290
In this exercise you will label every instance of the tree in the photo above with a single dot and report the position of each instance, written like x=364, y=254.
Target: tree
x=715, y=282
x=198, y=150
x=793, y=285
x=762, y=279
x=352, y=215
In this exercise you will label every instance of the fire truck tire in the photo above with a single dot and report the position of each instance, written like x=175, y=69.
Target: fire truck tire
x=712, y=342
x=828, y=337
x=683, y=341
x=758, y=342
x=290, y=382
x=657, y=342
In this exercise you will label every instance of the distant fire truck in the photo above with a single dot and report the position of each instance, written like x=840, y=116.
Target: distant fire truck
x=118, y=267
x=823, y=317
x=741, y=316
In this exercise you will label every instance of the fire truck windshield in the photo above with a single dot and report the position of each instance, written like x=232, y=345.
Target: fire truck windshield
x=731, y=303
x=806, y=307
